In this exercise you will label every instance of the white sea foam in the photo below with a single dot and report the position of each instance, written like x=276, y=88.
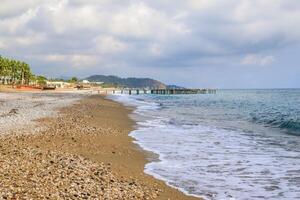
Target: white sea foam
x=216, y=163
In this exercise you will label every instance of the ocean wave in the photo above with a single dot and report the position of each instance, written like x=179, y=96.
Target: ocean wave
x=291, y=126
x=222, y=150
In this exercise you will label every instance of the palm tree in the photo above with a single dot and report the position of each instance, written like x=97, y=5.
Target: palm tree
x=26, y=73
x=14, y=71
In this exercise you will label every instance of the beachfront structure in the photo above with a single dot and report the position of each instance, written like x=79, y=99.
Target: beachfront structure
x=85, y=82
x=58, y=84
x=95, y=83
x=90, y=83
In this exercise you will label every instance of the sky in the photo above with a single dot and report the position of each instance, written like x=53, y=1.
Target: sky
x=192, y=43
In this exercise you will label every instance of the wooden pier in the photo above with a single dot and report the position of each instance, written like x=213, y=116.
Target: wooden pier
x=183, y=91
x=135, y=91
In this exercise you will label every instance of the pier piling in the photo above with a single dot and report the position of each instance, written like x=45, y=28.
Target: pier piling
x=162, y=91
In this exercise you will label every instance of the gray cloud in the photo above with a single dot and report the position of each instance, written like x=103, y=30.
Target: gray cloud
x=107, y=36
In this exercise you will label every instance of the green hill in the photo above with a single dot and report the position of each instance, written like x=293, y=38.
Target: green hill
x=127, y=82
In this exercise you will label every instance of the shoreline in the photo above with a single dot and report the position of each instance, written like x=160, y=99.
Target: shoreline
x=150, y=155
x=97, y=130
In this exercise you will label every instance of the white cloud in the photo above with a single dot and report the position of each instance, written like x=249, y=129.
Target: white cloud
x=83, y=61
x=155, y=49
x=55, y=58
x=142, y=33
x=64, y=18
x=19, y=42
x=11, y=8
x=16, y=24
x=254, y=59
x=2, y=45
x=109, y=44
x=76, y=60
x=201, y=4
x=259, y=21
x=141, y=21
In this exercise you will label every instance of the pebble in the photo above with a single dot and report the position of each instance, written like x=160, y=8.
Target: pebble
x=32, y=173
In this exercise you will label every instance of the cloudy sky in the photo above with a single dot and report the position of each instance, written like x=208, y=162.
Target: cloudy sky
x=194, y=43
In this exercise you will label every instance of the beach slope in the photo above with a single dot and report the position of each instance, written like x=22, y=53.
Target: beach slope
x=83, y=152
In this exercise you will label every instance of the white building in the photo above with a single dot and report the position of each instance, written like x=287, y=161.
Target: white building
x=85, y=82
x=58, y=84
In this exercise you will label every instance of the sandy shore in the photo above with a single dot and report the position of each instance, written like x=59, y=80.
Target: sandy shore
x=20, y=110
x=84, y=151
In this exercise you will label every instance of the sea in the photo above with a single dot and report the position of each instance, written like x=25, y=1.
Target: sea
x=235, y=144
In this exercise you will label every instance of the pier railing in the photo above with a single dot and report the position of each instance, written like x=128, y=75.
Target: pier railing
x=137, y=91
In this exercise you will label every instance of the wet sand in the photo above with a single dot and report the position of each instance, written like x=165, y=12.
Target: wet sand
x=89, y=136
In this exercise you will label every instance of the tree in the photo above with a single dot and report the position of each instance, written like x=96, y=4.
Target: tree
x=14, y=71
x=73, y=80
x=25, y=73
x=41, y=80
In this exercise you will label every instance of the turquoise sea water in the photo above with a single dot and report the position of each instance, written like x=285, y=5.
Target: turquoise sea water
x=236, y=144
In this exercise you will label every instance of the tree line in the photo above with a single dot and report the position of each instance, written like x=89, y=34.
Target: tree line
x=14, y=71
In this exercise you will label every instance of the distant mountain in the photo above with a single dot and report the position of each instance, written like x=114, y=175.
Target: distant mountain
x=128, y=82
x=175, y=87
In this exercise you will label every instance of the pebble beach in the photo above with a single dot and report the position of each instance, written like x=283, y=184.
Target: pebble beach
x=72, y=146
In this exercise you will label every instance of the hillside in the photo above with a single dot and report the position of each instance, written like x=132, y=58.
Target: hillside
x=128, y=82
